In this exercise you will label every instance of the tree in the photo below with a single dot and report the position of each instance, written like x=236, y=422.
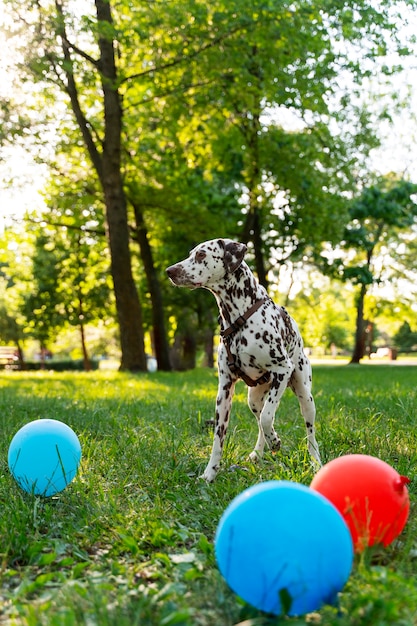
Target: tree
x=16, y=249
x=69, y=283
x=40, y=304
x=377, y=217
x=10, y=331
x=77, y=53
x=73, y=222
x=292, y=185
x=107, y=162
x=405, y=338
x=192, y=84
x=54, y=57
x=84, y=290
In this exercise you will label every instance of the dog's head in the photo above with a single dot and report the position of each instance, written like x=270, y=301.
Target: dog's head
x=207, y=264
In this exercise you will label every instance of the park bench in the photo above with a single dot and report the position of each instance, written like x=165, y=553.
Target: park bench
x=9, y=358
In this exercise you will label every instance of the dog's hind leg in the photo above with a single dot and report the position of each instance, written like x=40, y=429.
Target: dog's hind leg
x=278, y=385
x=256, y=400
x=264, y=401
x=300, y=383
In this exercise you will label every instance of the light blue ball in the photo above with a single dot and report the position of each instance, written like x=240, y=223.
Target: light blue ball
x=44, y=456
x=284, y=548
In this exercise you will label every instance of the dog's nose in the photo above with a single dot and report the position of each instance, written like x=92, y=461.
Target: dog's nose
x=175, y=272
x=172, y=271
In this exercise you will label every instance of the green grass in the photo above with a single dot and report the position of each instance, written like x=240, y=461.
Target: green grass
x=130, y=541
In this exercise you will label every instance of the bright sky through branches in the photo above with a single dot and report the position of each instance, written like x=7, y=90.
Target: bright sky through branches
x=21, y=178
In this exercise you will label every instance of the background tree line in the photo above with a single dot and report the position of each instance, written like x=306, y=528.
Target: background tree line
x=163, y=124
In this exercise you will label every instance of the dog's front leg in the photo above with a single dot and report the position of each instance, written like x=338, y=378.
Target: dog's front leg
x=223, y=405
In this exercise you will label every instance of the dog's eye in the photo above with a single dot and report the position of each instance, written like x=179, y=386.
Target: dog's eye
x=200, y=255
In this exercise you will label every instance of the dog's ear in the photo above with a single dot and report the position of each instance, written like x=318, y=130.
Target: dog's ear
x=234, y=253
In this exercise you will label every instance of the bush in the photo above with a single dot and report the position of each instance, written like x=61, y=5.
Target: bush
x=61, y=366
x=405, y=339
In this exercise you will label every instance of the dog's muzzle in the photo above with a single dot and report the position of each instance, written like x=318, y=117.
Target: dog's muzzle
x=174, y=273
x=179, y=277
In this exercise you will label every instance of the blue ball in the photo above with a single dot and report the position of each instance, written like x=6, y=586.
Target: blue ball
x=284, y=548
x=44, y=456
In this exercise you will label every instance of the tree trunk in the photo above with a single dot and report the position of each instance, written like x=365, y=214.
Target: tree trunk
x=86, y=358
x=360, y=340
x=42, y=356
x=22, y=362
x=251, y=128
x=160, y=340
x=259, y=255
x=127, y=301
x=185, y=350
x=106, y=159
x=209, y=348
x=252, y=231
x=128, y=307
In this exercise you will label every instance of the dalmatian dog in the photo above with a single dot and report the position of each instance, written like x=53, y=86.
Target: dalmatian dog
x=260, y=344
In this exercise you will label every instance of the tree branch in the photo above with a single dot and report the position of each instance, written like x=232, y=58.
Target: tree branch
x=170, y=92
x=100, y=232
x=184, y=57
x=72, y=91
x=83, y=54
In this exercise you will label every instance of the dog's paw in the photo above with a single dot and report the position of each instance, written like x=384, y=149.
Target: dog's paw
x=275, y=443
x=316, y=463
x=255, y=457
x=209, y=474
x=315, y=456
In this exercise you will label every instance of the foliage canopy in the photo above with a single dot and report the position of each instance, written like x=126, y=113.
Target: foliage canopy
x=169, y=120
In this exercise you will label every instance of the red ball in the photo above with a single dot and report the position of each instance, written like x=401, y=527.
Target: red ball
x=370, y=494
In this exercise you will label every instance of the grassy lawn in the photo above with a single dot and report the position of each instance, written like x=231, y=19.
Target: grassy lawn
x=130, y=541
